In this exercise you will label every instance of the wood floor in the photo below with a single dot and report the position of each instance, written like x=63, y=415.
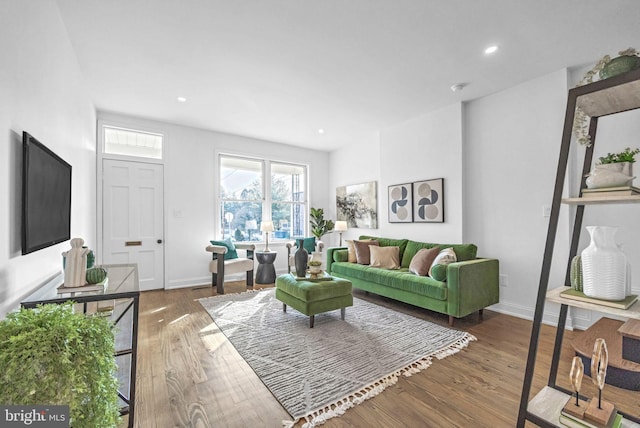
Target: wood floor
x=189, y=375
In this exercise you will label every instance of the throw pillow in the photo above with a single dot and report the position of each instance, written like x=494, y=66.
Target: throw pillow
x=363, y=254
x=444, y=257
x=231, y=249
x=422, y=261
x=308, y=244
x=384, y=257
x=352, y=251
x=439, y=272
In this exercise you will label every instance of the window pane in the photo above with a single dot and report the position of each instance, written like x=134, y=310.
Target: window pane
x=288, y=220
x=287, y=182
x=240, y=179
x=118, y=141
x=241, y=220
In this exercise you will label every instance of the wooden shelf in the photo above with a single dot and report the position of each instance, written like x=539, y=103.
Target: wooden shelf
x=548, y=404
x=631, y=199
x=554, y=296
x=611, y=100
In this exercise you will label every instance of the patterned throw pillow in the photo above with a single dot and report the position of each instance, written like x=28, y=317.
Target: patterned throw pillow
x=445, y=257
x=231, y=248
x=384, y=257
x=422, y=261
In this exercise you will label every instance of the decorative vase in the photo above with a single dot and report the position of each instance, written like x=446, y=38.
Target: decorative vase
x=620, y=65
x=610, y=175
x=301, y=258
x=604, y=265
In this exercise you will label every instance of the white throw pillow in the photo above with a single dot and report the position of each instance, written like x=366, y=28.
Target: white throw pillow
x=444, y=257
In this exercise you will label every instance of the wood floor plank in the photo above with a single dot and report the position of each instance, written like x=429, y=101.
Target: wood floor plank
x=190, y=375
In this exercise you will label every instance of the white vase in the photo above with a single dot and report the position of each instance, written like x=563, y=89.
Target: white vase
x=604, y=265
x=610, y=175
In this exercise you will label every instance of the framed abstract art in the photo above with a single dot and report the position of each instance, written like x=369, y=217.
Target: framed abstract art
x=400, y=203
x=428, y=201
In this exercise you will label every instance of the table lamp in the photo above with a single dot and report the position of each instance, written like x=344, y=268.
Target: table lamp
x=341, y=226
x=266, y=227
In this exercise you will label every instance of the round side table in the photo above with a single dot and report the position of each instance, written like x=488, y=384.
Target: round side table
x=266, y=273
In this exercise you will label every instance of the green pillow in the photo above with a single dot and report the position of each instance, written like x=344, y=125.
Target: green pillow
x=439, y=272
x=308, y=244
x=231, y=249
x=341, y=256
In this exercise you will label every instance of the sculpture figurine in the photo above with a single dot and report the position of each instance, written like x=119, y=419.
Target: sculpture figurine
x=576, y=374
x=599, y=411
x=75, y=267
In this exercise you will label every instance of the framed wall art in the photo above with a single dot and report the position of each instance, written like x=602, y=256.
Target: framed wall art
x=357, y=204
x=400, y=203
x=428, y=201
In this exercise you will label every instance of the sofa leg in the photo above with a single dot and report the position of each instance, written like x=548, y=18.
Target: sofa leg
x=311, y=319
x=481, y=314
x=451, y=320
x=284, y=307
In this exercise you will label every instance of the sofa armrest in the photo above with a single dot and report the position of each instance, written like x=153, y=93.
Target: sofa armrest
x=216, y=249
x=472, y=285
x=330, y=252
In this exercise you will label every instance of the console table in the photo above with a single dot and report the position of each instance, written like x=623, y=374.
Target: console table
x=124, y=293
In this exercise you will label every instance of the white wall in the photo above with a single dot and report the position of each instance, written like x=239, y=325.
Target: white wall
x=43, y=94
x=511, y=148
x=190, y=193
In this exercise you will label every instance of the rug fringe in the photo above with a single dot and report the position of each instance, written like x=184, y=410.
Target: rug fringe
x=339, y=407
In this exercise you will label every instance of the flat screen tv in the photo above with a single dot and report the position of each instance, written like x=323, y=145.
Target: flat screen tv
x=46, y=196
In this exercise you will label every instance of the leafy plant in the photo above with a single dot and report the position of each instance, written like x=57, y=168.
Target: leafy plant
x=627, y=155
x=315, y=263
x=319, y=225
x=51, y=355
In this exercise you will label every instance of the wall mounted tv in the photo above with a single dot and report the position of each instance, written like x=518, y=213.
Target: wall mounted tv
x=46, y=196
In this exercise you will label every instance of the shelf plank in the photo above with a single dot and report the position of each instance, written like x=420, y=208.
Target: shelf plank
x=554, y=296
x=612, y=100
x=630, y=199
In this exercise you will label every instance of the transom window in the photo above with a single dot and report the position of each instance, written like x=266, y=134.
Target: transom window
x=120, y=141
x=253, y=190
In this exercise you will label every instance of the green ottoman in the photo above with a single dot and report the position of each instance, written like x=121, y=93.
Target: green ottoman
x=313, y=297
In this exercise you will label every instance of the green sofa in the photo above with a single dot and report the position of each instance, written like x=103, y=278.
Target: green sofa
x=461, y=288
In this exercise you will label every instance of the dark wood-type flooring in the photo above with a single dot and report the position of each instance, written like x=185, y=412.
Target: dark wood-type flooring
x=189, y=374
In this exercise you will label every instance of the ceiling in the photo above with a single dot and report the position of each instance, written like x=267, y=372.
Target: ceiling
x=280, y=70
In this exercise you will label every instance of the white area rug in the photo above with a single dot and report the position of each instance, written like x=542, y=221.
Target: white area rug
x=318, y=373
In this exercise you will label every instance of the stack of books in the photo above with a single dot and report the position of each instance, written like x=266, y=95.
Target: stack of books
x=611, y=191
x=618, y=304
x=568, y=420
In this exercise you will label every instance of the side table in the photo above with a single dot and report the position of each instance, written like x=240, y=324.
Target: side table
x=266, y=273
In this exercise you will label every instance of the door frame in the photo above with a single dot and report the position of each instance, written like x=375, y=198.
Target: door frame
x=134, y=125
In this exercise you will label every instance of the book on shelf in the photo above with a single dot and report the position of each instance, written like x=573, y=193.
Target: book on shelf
x=568, y=420
x=580, y=296
x=610, y=191
x=100, y=286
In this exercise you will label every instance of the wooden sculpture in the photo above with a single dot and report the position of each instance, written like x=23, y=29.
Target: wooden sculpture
x=578, y=408
x=599, y=411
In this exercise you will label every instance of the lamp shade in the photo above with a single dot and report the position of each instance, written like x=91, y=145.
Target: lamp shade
x=341, y=226
x=266, y=226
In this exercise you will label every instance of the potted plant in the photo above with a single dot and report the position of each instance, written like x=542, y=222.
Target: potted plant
x=319, y=225
x=53, y=356
x=627, y=60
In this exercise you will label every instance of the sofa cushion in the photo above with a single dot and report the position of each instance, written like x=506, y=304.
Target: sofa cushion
x=231, y=248
x=384, y=257
x=439, y=272
x=463, y=252
x=422, y=261
x=386, y=242
x=341, y=256
x=400, y=279
x=363, y=254
x=444, y=257
x=351, y=252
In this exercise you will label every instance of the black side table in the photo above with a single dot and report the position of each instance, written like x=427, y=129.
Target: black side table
x=266, y=273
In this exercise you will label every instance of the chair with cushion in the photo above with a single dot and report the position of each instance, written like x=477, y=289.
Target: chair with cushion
x=225, y=261
x=309, y=244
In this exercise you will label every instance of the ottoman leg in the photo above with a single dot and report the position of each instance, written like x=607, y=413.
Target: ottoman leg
x=284, y=307
x=311, y=319
x=342, y=312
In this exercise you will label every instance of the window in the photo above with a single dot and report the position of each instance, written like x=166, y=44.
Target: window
x=252, y=190
x=120, y=141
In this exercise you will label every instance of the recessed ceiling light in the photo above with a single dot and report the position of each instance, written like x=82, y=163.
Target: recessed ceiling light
x=458, y=87
x=320, y=131
x=491, y=49
x=182, y=100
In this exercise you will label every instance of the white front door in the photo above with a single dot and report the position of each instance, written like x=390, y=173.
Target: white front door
x=133, y=220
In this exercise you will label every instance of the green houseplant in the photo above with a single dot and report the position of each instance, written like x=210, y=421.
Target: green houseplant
x=51, y=355
x=627, y=155
x=319, y=225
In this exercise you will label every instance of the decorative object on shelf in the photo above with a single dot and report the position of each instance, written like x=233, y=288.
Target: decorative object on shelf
x=341, y=226
x=75, y=266
x=576, y=273
x=301, y=258
x=604, y=69
x=266, y=227
x=319, y=225
x=95, y=275
x=576, y=409
x=357, y=204
x=614, y=169
x=428, y=201
x=604, y=265
x=599, y=411
x=400, y=203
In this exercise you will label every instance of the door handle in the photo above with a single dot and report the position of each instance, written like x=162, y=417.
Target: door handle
x=159, y=241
